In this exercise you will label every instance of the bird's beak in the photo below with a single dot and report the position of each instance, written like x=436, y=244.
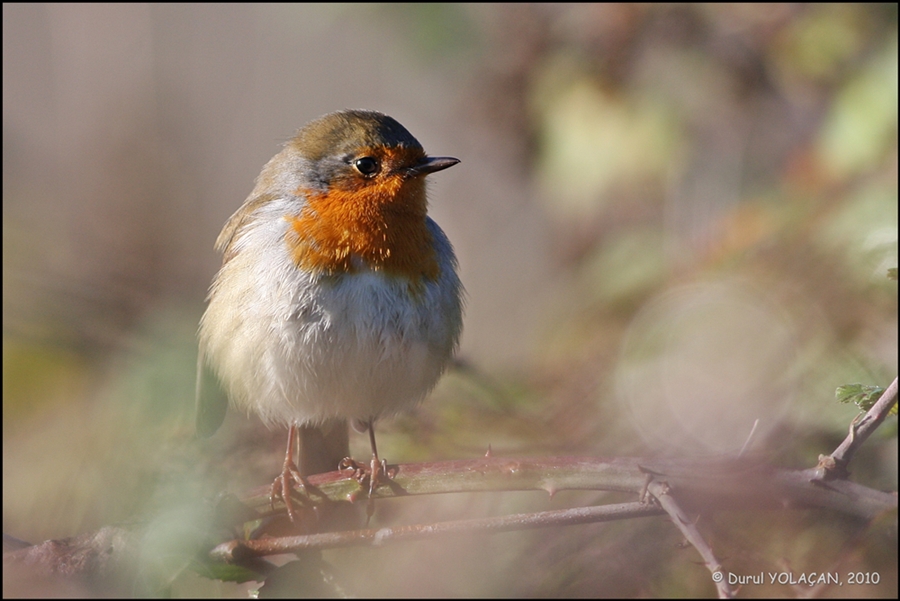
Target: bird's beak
x=430, y=165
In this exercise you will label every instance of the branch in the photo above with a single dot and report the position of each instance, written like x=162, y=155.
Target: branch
x=700, y=485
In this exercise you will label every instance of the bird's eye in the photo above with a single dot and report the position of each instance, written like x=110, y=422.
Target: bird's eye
x=367, y=166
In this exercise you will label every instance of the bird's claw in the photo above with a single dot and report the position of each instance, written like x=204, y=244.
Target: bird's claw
x=369, y=475
x=282, y=486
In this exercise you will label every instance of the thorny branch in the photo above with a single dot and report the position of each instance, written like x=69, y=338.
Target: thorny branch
x=679, y=485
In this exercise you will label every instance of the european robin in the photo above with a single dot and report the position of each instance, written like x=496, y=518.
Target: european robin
x=338, y=298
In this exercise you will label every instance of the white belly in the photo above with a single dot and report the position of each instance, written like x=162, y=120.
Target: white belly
x=300, y=348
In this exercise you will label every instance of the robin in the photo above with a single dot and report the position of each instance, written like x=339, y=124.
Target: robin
x=338, y=298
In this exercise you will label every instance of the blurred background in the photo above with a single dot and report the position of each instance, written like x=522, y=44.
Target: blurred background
x=672, y=221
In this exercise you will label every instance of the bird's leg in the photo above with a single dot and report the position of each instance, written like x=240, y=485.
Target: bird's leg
x=375, y=473
x=377, y=468
x=283, y=484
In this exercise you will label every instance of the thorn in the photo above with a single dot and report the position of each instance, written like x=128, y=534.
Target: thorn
x=647, y=470
x=489, y=453
x=645, y=489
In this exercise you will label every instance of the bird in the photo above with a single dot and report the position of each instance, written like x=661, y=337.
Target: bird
x=338, y=300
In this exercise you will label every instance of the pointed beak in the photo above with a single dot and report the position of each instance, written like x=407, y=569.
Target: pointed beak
x=430, y=165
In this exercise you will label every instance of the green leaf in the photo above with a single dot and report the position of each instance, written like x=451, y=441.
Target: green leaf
x=861, y=395
x=225, y=572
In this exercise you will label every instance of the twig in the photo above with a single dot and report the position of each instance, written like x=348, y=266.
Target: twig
x=662, y=493
x=834, y=466
x=749, y=438
x=238, y=551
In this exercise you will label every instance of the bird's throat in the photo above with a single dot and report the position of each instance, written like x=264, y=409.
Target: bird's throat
x=381, y=225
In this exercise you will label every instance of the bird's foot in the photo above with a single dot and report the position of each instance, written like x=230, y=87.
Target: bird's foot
x=284, y=484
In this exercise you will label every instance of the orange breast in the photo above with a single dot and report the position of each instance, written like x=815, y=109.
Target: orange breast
x=379, y=222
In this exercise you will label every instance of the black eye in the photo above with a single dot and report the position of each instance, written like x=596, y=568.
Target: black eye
x=366, y=166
